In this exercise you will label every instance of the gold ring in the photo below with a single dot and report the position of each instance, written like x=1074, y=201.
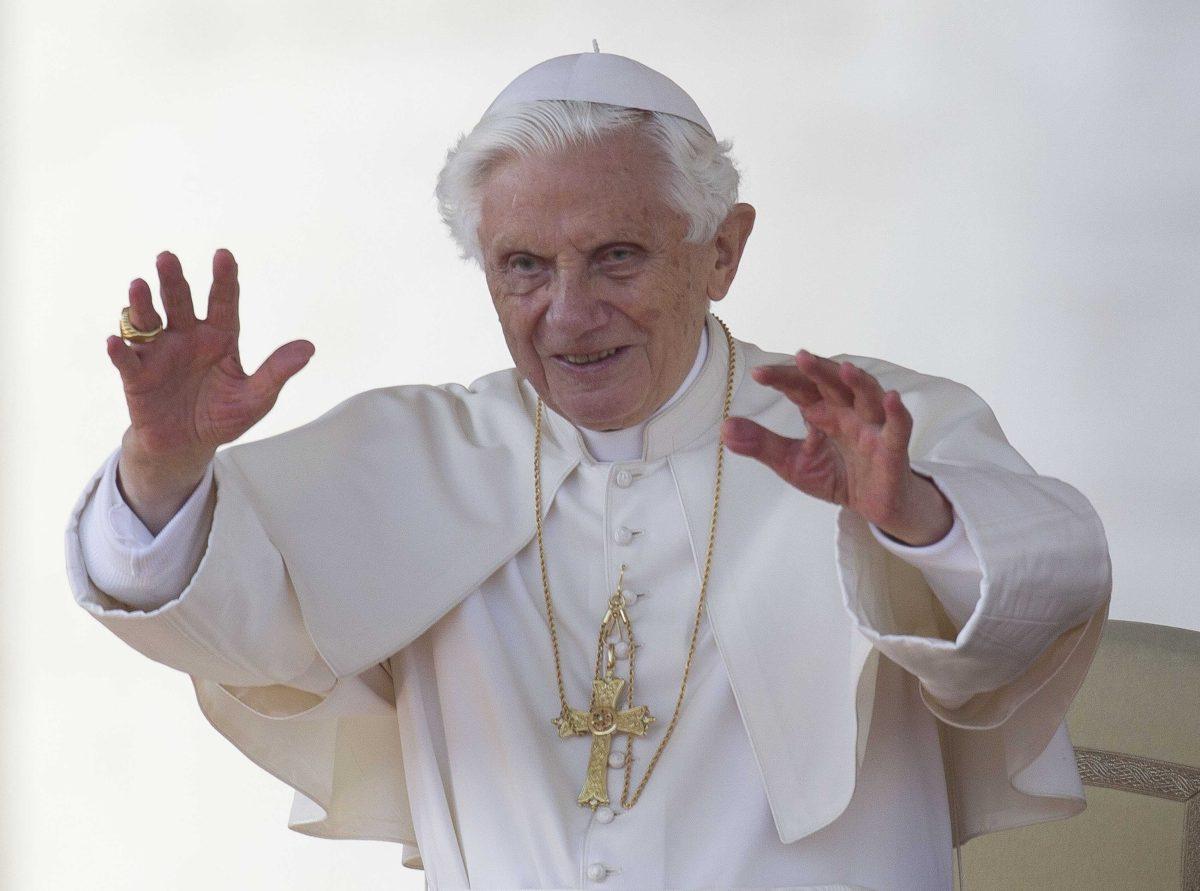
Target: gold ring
x=136, y=335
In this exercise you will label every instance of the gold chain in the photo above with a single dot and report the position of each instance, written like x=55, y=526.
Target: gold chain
x=712, y=534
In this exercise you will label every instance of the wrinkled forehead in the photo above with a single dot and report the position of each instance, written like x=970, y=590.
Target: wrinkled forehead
x=621, y=153
x=612, y=190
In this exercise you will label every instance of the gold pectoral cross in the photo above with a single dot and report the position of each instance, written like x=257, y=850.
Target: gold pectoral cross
x=604, y=718
x=602, y=721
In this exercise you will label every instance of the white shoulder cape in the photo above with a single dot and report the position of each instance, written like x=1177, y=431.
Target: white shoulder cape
x=394, y=505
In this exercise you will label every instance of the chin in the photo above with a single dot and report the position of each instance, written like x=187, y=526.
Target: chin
x=596, y=417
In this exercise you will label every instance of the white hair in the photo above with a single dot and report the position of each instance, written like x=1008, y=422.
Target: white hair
x=702, y=183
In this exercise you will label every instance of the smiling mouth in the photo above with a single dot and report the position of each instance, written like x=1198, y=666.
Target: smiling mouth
x=588, y=358
x=591, y=365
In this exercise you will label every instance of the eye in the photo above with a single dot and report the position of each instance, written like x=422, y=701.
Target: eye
x=618, y=254
x=522, y=264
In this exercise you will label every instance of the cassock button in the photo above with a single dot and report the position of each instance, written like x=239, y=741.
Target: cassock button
x=596, y=871
x=605, y=814
x=624, y=479
x=623, y=535
x=621, y=648
x=616, y=759
x=630, y=597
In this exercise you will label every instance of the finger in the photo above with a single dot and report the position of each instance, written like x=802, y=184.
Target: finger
x=790, y=381
x=824, y=373
x=141, y=306
x=176, y=295
x=278, y=367
x=868, y=395
x=223, y=296
x=780, y=453
x=123, y=356
x=897, y=429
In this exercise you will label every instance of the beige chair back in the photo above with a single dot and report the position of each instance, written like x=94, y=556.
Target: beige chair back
x=1135, y=726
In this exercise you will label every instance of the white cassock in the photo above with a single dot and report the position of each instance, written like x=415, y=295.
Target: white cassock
x=362, y=614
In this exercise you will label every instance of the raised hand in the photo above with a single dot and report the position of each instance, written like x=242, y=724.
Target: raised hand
x=186, y=390
x=856, y=451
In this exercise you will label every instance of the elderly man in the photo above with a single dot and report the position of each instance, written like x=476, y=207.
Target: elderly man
x=542, y=630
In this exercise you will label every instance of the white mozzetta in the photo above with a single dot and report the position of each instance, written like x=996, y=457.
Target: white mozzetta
x=827, y=671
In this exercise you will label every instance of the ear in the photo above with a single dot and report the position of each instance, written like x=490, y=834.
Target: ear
x=729, y=243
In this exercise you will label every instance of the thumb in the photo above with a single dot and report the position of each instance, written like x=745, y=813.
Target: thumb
x=279, y=367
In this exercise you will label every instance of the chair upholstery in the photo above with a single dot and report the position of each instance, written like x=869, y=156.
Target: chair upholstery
x=1135, y=725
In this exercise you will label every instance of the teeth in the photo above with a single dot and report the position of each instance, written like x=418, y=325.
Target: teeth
x=584, y=359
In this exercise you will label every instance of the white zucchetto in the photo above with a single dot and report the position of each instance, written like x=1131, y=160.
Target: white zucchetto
x=601, y=77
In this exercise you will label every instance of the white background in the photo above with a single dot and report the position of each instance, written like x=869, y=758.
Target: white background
x=1004, y=194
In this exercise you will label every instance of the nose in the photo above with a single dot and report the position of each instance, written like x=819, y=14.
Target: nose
x=576, y=306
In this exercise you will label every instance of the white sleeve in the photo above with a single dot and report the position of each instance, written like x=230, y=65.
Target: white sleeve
x=125, y=560
x=236, y=621
x=950, y=566
x=1045, y=578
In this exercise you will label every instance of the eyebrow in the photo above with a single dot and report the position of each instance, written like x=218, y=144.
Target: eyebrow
x=504, y=244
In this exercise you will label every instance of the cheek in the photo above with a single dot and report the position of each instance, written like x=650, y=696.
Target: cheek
x=508, y=311
x=676, y=296
x=518, y=323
